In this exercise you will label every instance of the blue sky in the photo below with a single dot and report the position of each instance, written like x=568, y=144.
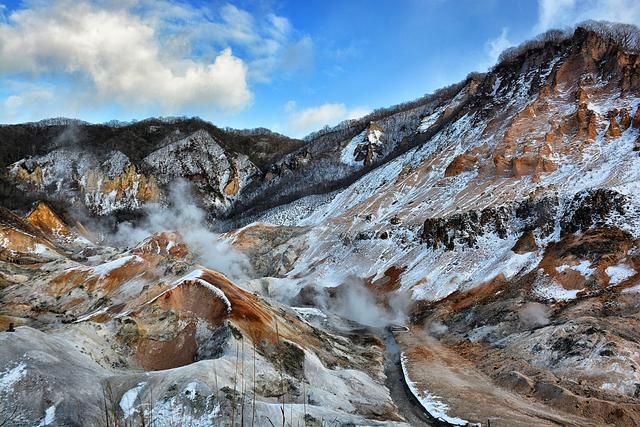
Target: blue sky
x=292, y=66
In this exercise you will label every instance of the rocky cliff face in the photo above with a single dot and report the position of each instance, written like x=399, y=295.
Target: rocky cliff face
x=111, y=182
x=121, y=168
x=499, y=220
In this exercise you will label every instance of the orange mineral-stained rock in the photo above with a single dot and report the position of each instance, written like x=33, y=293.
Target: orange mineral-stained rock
x=23, y=243
x=503, y=166
x=531, y=165
x=233, y=186
x=130, y=182
x=526, y=243
x=625, y=119
x=587, y=123
x=166, y=243
x=35, y=177
x=614, y=129
x=45, y=219
x=636, y=118
x=581, y=96
x=462, y=163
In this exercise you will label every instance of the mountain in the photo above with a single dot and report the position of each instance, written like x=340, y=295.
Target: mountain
x=118, y=168
x=473, y=255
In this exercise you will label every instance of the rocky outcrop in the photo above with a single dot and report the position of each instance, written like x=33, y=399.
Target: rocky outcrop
x=108, y=183
x=587, y=209
x=128, y=190
x=625, y=119
x=613, y=131
x=217, y=175
x=593, y=208
x=465, y=228
x=525, y=244
x=587, y=123
x=636, y=118
x=531, y=166
x=103, y=185
x=182, y=325
x=373, y=146
x=462, y=163
x=22, y=242
x=46, y=220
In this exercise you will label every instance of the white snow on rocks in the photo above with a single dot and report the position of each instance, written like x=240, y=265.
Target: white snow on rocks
x=116, y=164
x=105, y=269
x=128, y=400
x=556, y=292
x=11, y=376
x=49, y=416
x=171, y=412
x=309, y=312
x=348, y=156
x=583, y=268
x=429, y=120
x=496, y=86
x=45, y=251
x=633, y=290
x=619, y=273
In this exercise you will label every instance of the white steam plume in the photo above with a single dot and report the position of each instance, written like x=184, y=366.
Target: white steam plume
x=534, y=314
x=183, y=215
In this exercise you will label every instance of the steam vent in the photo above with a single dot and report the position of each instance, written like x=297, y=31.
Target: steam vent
x=468, y=258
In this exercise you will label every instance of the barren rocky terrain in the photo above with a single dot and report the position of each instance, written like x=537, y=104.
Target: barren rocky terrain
x=469, y=258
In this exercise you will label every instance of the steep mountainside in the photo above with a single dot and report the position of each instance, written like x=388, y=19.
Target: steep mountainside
x=470, y=256
x=116, y=167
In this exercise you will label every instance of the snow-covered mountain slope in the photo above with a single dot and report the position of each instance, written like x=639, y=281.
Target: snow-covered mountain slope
x=533, y=179
x=490, y=233
x=524, y=163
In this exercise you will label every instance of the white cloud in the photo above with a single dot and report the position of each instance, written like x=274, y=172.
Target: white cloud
x=121, y=57
x=563, y=13
x=302, y=122
x=271, y=46
x=157, y=56
x=494, y=47
x=30, y=98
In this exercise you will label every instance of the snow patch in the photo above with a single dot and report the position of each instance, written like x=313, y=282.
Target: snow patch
x=309, y=312
x=633, y=290
x=49, y=416
x=496, y=86
x=11, y=376
x=556, y=292
x=167, y=412
x=92, y=314
x=348, y=156
x=128, y=400
x=428, y=121
x=619, y=273
x=583, y=268
x=190, y=390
